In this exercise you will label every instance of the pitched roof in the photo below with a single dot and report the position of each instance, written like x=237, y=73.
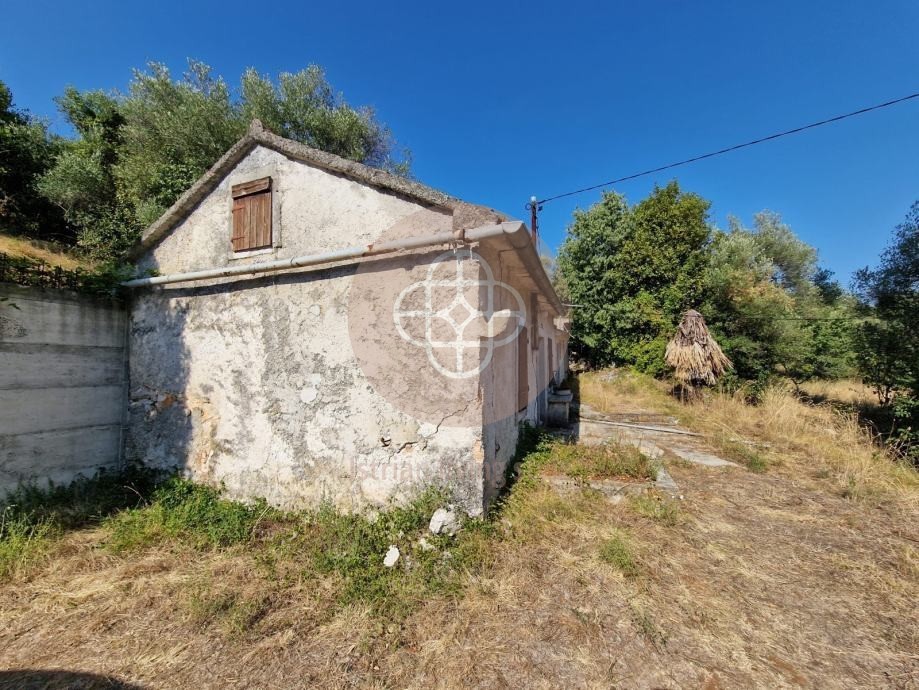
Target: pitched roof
x=259, y=136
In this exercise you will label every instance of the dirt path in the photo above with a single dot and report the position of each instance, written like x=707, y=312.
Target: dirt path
x=763, y=581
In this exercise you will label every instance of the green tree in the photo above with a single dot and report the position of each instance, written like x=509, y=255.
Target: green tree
x=82, y=181
x=136, y=153
x=794, y=263
x=27, y=151
x=764, y=302
x=304, y=107
x=173, y=131
x=632, y=272
x=887, y=344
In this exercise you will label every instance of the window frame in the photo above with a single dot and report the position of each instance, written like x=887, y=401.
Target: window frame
x=244, y=177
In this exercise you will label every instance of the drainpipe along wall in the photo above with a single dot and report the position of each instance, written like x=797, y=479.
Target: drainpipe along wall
x=515, y=231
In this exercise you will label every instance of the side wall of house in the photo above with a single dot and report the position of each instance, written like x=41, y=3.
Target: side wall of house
x=255, y=383
x=62, y=394
x=515, y=385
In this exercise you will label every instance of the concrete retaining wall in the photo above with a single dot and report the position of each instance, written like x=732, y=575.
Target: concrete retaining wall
x=62, y=385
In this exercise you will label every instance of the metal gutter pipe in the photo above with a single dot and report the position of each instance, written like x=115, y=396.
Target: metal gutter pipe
x=344, y=254
x=514, y=231
x=519, y=238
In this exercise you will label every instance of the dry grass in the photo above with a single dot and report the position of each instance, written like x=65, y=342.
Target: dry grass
x=846, y=391
x=802, y=440
x=771, y=579
x=42, y=252
x=693, y=353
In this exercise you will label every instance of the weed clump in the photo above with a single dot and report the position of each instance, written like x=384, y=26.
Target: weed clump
x=617, y=552
x=31, y=516
x=606, y=461
x=350, y=547
x=345, y=550
x=749, y=457
x=23, y=538
x=655, y=507
x=190, y=513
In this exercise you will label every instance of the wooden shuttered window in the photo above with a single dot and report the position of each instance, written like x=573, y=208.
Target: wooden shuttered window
x=251, y=215
x=523, y=370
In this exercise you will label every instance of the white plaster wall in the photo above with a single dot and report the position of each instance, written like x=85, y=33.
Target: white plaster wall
x=254, y=383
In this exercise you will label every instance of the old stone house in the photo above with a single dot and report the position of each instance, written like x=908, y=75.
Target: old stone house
x=307, y=328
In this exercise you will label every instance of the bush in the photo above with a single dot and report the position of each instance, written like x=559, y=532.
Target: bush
x=905, y=438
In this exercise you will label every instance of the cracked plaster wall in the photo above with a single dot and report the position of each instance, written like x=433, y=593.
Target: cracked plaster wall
x=254, y=383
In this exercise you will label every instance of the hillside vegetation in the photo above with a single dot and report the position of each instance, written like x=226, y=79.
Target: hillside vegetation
x=47, y=253
x=634, y=270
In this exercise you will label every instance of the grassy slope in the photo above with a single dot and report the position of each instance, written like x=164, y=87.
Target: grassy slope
x=42, y=252
x=805, y=573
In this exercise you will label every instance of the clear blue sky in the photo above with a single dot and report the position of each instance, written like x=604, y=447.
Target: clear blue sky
x=499, y=101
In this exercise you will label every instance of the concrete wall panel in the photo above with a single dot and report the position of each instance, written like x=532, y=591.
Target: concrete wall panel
x=29, y=410
x=59, y=366
x=57, y=456
x=62, y=390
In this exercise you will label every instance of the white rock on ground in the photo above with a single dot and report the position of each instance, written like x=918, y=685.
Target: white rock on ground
x=389, y=560
x=444, y=521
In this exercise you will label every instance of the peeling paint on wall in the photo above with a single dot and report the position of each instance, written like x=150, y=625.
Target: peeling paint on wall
x=268, y=385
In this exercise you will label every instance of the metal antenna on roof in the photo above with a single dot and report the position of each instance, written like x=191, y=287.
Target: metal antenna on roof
x=533, y=206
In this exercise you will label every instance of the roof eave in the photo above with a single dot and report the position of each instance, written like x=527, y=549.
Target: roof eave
x=259, y=136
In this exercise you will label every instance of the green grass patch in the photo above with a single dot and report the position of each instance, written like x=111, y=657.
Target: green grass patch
x=539, y=452
x=32, y=517
x=655, y=507
x=23, y=539
x=350, y=548
x=617, y=552
x=190, y=514
x=749, y=457
x=343, y=549
x=606, y=461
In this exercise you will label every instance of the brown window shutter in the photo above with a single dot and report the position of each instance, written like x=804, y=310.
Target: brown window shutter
x=523, y=370
x=251, y=215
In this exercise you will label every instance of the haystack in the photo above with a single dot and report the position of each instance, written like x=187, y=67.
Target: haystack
x=693, y=353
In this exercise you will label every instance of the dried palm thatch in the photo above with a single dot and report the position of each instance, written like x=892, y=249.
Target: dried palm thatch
x=693, y=353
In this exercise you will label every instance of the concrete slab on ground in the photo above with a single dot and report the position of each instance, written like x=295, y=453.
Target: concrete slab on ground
x=657, y=440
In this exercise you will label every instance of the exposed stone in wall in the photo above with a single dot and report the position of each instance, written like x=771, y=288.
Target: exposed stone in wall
x=254, y=383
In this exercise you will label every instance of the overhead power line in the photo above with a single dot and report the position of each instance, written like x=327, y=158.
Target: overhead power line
x=712, y=154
